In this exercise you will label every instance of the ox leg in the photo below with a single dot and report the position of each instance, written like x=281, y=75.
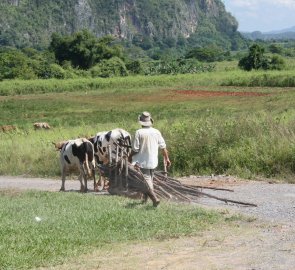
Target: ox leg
x=85, y=183
x=63, y=178
x=83, y=175
x=94, y=180
x=101, y=181
x=80, y=177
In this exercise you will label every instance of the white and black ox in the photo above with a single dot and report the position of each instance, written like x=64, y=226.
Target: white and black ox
x=107, y=142
x=78, y=154
x=117, y=139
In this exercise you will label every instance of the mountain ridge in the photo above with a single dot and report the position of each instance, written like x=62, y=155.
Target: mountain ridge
x=32, y=22
x=285, y=30
x=287, y=33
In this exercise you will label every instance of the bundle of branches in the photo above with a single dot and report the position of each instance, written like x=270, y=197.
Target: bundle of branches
x=125, y=179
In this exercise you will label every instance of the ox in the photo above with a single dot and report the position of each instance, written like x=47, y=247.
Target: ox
x=116, y=137
x=41, y=125
x=7, y=128
x=113, y=138
x=78, y=154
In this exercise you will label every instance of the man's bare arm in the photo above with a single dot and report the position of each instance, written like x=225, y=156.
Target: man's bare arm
x=166, y=157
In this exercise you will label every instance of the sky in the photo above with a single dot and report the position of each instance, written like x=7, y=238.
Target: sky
x=262, y=15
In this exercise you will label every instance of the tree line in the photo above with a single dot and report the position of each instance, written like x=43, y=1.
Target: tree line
x=84, y=55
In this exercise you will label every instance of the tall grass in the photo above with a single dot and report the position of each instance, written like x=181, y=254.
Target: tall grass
x=18, y=87
x=43, y=228
x=247, y=146
x=229, y=76
x=241, y=135
x=262, y=79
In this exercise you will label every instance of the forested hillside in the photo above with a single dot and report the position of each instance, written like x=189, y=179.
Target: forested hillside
x=145, y=23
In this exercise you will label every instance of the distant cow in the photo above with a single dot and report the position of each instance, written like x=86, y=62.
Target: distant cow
x=7, y=128
x=78, y=154
x=41, y=125
x=113, y=138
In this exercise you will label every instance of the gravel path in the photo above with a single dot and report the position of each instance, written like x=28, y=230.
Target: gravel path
x=276, y=202
x=44, y=184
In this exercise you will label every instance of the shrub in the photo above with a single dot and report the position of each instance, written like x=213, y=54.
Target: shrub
x=277, y=62
x=179, y=66
x=134, y=67
x=109, y=68
x=57, y=71
x=206, y=54
x=14, y=64
x=256, y=60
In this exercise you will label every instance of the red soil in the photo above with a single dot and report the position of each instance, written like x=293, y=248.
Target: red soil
x=200, y=93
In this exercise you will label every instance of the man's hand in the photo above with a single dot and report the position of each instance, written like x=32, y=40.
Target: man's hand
x=168, y=162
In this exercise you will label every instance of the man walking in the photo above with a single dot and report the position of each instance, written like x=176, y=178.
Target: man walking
x=147, y=141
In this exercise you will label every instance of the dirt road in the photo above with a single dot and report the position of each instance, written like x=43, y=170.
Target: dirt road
x=267, y=242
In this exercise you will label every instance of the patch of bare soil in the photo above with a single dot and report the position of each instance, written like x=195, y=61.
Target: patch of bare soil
x=206, y=93
x=265, y=240
x=245, y=246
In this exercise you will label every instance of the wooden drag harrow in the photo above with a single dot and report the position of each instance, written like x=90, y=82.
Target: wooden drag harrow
x=125, y=179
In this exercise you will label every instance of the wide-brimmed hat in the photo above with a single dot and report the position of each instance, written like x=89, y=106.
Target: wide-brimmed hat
x=145, y=119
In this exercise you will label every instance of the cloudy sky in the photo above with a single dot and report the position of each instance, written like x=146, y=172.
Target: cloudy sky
x=262, y=15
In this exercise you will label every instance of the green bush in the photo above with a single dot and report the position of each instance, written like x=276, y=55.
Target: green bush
x=179, y=66
x=257, y=60
x=277, y=62
x=14, y=64
x=83, y=49
x=206, y=54
x=109, y=68
x=134, y=67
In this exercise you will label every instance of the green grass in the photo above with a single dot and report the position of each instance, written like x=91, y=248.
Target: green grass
x=73, y=223
x=226, y=74
x=247, y=136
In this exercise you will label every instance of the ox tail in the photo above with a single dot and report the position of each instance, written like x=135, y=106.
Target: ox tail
x=87, y=164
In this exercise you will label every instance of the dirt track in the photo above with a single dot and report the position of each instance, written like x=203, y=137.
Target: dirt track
x=267, y=243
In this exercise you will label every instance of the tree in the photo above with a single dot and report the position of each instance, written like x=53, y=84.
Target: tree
x=255, y=59
x=206, y=54
x=83, y=49
x=275, y=48
x=134, y=67
x=15, y=64
x=109, y=68
x=277, y=62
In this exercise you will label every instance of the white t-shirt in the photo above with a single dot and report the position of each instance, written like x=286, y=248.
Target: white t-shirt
x=146, y=143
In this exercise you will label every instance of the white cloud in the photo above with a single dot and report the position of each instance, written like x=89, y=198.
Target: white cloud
x=288, y=3
x=263, y=15
x=253, y=4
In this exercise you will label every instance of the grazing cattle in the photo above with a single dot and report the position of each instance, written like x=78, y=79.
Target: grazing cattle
x=7, y=128
x=41, y=125
x=78, y=154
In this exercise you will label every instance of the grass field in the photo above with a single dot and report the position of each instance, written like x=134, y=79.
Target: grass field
x=224, y=122
x=45, y=228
